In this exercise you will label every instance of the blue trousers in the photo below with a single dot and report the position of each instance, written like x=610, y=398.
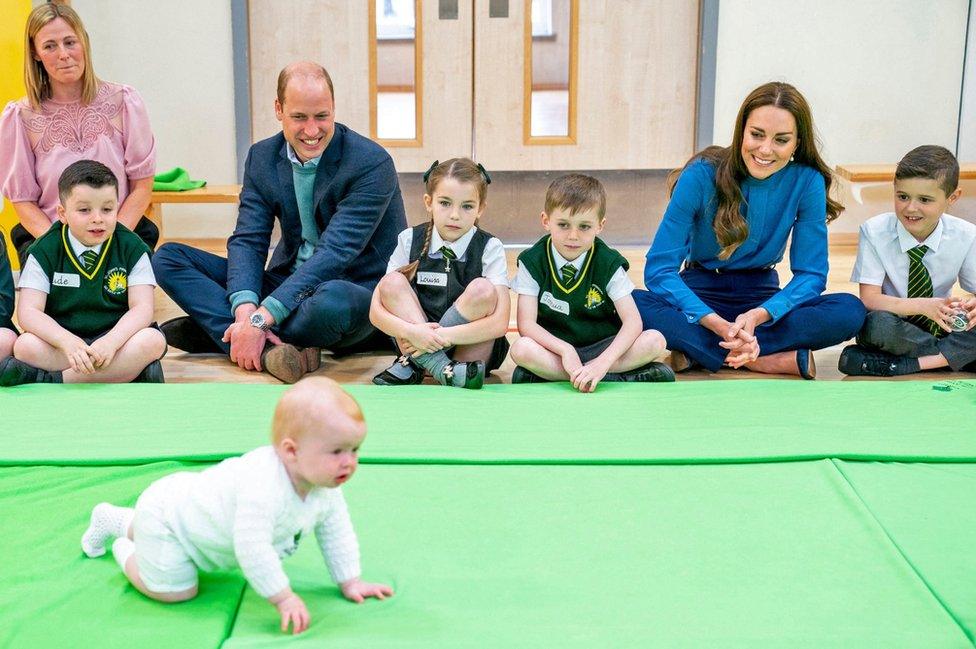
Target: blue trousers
x=335, y=316
x=823, y=321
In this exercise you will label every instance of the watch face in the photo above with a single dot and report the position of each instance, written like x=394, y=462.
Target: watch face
x=257, y=320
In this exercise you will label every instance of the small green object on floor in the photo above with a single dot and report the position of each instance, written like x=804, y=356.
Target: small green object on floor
x=176, y=179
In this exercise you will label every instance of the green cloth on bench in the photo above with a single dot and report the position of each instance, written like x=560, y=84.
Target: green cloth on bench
x=929, y=511
x=676, y=423
x=781, y=555
x=176, y=179
x=51, y=595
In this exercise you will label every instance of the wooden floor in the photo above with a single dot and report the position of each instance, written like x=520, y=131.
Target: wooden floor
x=180, y=367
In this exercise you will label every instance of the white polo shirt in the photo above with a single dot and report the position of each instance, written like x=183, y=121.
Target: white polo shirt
x=493, y=265
x=882, y=255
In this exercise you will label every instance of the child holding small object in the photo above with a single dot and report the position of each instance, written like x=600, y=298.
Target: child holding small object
x=250, y=511
x=907, y=263
x=445, y=295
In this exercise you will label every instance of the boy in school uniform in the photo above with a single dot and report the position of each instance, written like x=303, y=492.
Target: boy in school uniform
x=907, y=263
x=86, y=294
x=576, y=317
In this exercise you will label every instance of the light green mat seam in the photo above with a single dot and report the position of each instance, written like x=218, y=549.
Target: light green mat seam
x=901, y=552
x=213, y=458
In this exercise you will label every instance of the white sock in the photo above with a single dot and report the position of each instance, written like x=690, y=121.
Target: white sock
x=107, y=521
x=122, y=549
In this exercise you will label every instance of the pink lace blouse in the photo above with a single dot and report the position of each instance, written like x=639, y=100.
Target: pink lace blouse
x=36, y=146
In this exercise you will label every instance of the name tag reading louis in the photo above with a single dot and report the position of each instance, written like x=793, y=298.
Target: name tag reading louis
x=431, y=279
x=68, y=280
x=560, y=306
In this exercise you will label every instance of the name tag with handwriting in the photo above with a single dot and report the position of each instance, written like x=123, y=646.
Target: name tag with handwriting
x=560, y=306
x=68, y=280
x=431, y=279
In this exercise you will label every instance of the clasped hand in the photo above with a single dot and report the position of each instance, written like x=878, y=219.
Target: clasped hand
x=85, y=358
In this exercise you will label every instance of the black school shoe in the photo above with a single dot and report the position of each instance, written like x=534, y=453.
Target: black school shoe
x=653, y=372
x=152, y=373
x=184, y=333
x=386, y=377
x=858, y=361
x=14, y=372
x=522, y=375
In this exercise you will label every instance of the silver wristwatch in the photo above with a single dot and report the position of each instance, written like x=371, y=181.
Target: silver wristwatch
x=257, y=320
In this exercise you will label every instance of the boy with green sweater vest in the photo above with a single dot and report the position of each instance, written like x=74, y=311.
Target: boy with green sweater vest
x=86, y=293
x=576, y=318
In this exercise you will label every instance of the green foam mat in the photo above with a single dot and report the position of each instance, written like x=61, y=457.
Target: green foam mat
x=693, y=422
x=929, y=511
x=766, y=555
x=51, y=595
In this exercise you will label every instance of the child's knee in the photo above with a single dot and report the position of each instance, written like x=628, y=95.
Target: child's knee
x=149, y=342
x=28, y=347
x=179, y=596
x=7, y=340
x=652, y=340
x=481, y=292
x=523, y=349
x=392, y=284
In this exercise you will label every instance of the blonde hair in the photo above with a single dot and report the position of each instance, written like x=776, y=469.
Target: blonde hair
x=463, y=170
x=36, y=78
x=293, y=416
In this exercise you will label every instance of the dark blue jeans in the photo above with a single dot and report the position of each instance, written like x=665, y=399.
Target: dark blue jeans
x=823, y=321
x=335, y=316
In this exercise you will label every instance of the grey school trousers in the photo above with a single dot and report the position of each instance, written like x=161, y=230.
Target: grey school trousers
x=888, y=332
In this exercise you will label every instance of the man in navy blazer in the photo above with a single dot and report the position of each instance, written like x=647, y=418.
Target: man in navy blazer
x=337, y=199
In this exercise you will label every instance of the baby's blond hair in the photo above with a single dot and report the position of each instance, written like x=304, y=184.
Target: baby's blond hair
x=308, y=405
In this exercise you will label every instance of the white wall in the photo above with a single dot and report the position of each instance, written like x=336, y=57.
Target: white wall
x=178, y=55
x=967, y=132
x=882, y=76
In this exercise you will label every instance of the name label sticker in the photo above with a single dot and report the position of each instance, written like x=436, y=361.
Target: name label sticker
x=431, y=279
x=560, y=306
x=68, y=280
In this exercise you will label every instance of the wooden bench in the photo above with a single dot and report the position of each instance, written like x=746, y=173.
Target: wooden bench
x=861, y=176
x=886, y=173
x=206, y=194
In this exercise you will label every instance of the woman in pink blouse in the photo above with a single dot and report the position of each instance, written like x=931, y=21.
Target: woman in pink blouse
x=68, y=115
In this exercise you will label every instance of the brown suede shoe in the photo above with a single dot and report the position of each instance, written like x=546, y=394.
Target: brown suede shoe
x=285, y=362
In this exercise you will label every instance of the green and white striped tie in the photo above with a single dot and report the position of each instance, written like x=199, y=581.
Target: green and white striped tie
x=89, y=258
x=568, y=272
x=449, y=256
x=920, y=285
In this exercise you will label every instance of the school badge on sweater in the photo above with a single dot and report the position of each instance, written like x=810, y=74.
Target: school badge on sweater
x=116, y=281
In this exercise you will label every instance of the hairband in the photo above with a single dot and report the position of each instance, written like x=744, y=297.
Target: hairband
x=437, y=162
x=430, y=169
x=485, y=174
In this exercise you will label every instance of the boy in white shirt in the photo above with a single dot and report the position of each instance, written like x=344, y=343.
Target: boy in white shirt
x=907, y=264
x=250, y=511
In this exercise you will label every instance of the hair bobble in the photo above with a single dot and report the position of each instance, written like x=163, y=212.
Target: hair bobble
x=485, y=174
x=430, y=169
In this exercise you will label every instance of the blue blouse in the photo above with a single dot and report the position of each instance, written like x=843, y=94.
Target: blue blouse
x=793, y=200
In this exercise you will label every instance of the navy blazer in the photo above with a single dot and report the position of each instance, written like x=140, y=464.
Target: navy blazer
x=357, y=206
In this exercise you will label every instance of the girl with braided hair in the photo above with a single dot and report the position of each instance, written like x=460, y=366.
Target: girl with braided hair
x=445, y=298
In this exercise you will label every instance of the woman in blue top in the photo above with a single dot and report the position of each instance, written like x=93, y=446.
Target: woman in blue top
x=731, y=213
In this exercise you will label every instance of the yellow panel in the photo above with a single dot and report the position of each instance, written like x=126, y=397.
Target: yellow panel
x=11, y=85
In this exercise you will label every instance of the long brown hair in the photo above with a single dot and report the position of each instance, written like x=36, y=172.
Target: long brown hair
x=730, y=226
x=36, y=78
x=463, y=170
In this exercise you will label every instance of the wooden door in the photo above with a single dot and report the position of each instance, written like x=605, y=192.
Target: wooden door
x=634, y=89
